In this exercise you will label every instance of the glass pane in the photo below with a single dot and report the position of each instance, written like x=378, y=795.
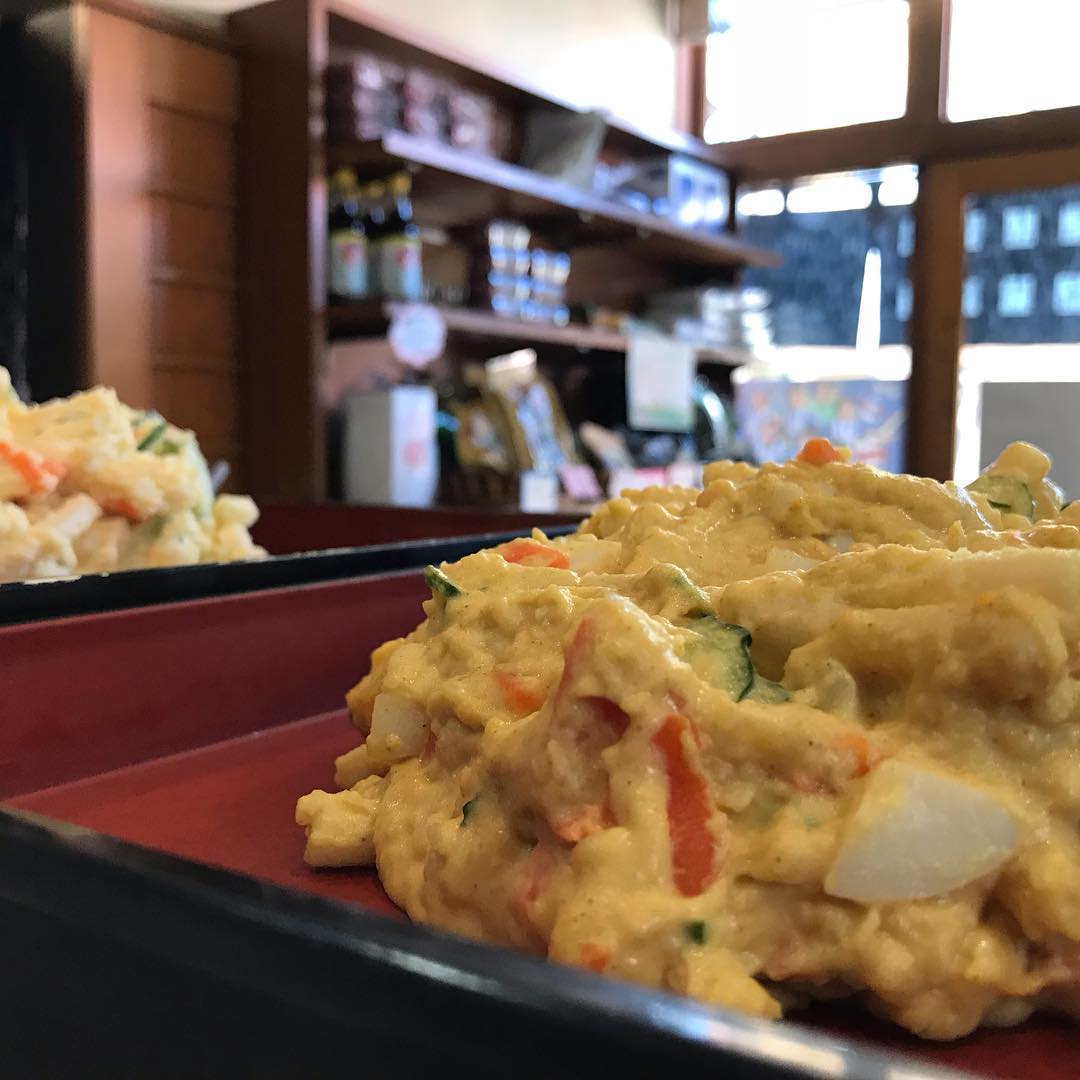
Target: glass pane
x=1020, y=362
x=838, y=311
x=774, y=66
x=1007, y=58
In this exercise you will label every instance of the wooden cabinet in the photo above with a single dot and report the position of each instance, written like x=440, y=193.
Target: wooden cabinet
x=136, y=196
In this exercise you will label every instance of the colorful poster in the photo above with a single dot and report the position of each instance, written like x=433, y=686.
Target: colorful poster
x=776, y=417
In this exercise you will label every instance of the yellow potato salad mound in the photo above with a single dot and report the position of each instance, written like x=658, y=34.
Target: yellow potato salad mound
x=88, y=485
x=811, y=730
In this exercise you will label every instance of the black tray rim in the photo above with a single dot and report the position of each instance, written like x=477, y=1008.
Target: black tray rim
x=264, y=937
x=91, y=594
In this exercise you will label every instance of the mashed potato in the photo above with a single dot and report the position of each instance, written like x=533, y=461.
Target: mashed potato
x=88, y=485
x=814, y=729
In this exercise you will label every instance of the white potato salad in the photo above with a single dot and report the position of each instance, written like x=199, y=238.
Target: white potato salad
x=88, y=485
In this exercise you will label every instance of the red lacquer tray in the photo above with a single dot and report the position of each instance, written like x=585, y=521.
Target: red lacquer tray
x=192, y=728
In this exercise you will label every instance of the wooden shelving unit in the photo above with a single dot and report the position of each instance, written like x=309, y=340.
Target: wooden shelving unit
x=372, y=317
x=618, y=254
x=484, y=188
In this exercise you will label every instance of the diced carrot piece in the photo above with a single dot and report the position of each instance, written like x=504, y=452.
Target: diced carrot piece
x=121, y=507
x=689, y=808
x=523, y=694
x=38, y=473
x=595, y=957
x=806, y=784
x=574, y=655
x=864, y=752
x=583, y=822
x=820, y=452
x=531, y=553
x=529, y=887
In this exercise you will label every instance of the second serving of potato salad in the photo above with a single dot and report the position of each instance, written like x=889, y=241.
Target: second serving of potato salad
x=88, y=485
x=813, y=730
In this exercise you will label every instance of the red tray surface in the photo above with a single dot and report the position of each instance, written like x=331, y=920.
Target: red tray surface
x=149, y=689
x=231, y=804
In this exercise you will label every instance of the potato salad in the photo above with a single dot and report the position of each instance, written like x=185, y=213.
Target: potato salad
x=88, y=485
x=813, y=730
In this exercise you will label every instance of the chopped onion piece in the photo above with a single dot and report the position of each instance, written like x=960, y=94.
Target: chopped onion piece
x=841, y=542
x=399, y=728
x=598, y=556
x=919, y=833
x=782, y=559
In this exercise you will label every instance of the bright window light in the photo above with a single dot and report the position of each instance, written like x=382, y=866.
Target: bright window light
x=768, y=202
x=1007, y=58
x=830, y=194
x=777, y=66
x=899, y=185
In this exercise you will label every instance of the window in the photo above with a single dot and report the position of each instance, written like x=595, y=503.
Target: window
x=905, y=237
x=1067, y=293
x=1069, y=225
x=904, y=301
x=1019, y=376
x=971, y=303
x=975, y=230
x=1016, y=295
x=838, y=312
x=777, y=66
x=1007, y=57
x=1019, y=228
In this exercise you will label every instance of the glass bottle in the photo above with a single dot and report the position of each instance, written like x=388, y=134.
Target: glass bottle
x=347, y=249
x=400, y=271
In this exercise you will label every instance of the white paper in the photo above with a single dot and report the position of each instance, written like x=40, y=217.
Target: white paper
x=659, y=375
x=539, y=492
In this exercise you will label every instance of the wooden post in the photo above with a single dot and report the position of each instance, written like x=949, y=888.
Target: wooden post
x=937, y=272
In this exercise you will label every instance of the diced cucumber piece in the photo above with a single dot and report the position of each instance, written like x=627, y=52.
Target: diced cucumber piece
x=722, y=659
x=666, y=589
x=152, y=436
x=698, y=599
x=766, y=691
x=722, y=656
x=439, y=583
x=1006, y=493
x=696, y=932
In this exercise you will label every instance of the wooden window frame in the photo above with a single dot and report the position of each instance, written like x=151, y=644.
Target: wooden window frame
x=955, y=160
x=921, y=135
x=938, y=266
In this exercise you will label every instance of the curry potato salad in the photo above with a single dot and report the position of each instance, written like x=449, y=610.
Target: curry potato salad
x=812, y=729
x=88, y=485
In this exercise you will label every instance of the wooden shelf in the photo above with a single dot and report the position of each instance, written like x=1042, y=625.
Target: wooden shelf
x=456, y=189
x=620, y=255
x=350, y=28
x=373, y=316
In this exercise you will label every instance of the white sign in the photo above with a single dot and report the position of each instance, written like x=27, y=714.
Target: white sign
x=417, y=334
x=659, y=376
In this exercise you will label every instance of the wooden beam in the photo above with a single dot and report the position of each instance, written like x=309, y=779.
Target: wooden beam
x=690, y=88
x=118, y=164
x=282, y=226
x=927, y=61
x=1016, y=172
x=937, y=272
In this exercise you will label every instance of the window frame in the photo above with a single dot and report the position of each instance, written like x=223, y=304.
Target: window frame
x=921, y=135
x=955, y=159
